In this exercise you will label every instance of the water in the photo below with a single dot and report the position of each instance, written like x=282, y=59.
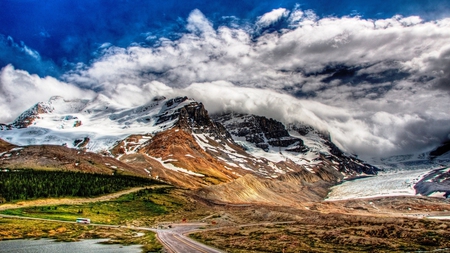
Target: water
x=50, y=246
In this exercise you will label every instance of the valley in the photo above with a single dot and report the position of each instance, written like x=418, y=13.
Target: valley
x=248, y=183
x=346, y=226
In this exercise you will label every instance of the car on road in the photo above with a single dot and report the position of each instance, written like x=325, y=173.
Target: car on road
x=83, y=220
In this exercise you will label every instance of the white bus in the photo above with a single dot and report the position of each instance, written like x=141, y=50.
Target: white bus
x=83, y=220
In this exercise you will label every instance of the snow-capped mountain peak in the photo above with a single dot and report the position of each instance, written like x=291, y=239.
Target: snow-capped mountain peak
x=163, y=136
x=103, y=122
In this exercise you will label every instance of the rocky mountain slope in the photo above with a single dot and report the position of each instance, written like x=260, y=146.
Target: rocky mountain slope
x=175, y=140
x=52, y=157
x=297, y=189
x=228, y=157
x=299, y=143
x=435, y=157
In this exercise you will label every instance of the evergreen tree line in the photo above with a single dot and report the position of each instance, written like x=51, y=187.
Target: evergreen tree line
x=32, y=184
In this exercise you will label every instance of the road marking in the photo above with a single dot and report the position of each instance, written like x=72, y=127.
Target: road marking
x=167, y=245
x=179, y=238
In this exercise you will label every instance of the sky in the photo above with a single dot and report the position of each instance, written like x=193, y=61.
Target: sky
x=375, y=74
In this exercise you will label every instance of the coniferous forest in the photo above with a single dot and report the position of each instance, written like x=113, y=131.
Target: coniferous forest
x=32, y=184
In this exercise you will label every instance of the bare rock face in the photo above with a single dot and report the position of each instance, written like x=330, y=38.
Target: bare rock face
x=191, y=117
x=436, y=181
x=261, y=131
x=269, y=134
x=441, y=150
x=4, y=127
x=77, y=123
x=27, y=118
x=170, y=112
x=195, y=117
x=81, y=143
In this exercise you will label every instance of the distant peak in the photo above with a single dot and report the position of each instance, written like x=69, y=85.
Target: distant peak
x=27, y=118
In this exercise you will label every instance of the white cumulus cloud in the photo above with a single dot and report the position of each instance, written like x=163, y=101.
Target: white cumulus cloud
x=19, y=90
x=381, y=87
x=271, y=17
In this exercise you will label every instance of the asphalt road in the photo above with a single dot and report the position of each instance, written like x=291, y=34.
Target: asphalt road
x=174, y=240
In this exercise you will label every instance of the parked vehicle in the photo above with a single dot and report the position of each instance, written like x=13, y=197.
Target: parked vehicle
x=83, y=220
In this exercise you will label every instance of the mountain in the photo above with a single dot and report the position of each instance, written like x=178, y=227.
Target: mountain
x=436, y=157
x=175, y=140
x=53, y=157
x=229, y=156
x=298, y=189
x=441, y=153
x=5, y=146
x=299, y=143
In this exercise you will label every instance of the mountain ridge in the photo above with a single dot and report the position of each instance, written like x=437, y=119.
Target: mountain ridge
x=176, y=140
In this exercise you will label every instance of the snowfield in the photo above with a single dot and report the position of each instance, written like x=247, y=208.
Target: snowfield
x=393, y=183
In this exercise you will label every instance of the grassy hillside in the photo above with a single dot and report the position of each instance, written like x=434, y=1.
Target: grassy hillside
x=143, y=208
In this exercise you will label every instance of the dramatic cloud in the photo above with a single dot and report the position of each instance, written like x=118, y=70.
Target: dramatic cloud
x=381, y=87
x=368, y=128
x=19, y=90
x=295, y=58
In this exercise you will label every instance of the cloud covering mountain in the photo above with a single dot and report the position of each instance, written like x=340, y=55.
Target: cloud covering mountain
x=380, y=86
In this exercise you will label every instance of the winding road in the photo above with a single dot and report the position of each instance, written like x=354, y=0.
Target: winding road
x=172, y=238
x=175, y=241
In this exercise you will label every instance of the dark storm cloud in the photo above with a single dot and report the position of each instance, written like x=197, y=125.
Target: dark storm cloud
x=440, y=65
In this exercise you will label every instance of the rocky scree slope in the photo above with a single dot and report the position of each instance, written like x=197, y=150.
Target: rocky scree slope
x=175, y=140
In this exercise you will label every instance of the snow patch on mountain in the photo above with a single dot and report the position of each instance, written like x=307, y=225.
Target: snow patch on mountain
x=168, y=165
x=101, y=121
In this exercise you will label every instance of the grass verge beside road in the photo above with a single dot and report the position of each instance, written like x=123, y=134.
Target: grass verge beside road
x=11, y=228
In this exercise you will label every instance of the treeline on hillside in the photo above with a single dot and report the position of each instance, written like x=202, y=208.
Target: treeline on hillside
x=32, y=184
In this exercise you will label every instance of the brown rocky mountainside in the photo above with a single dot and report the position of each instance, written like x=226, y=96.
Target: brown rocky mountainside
x=187, y=148
x=5, y=146
x=174, y=156
x=296, y=190
x=199, y=152
x=50, y=157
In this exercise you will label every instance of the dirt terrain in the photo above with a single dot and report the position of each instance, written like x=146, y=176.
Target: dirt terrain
x=234, y=210
x=394, y=224
x=416, y=207
x=333, y=228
